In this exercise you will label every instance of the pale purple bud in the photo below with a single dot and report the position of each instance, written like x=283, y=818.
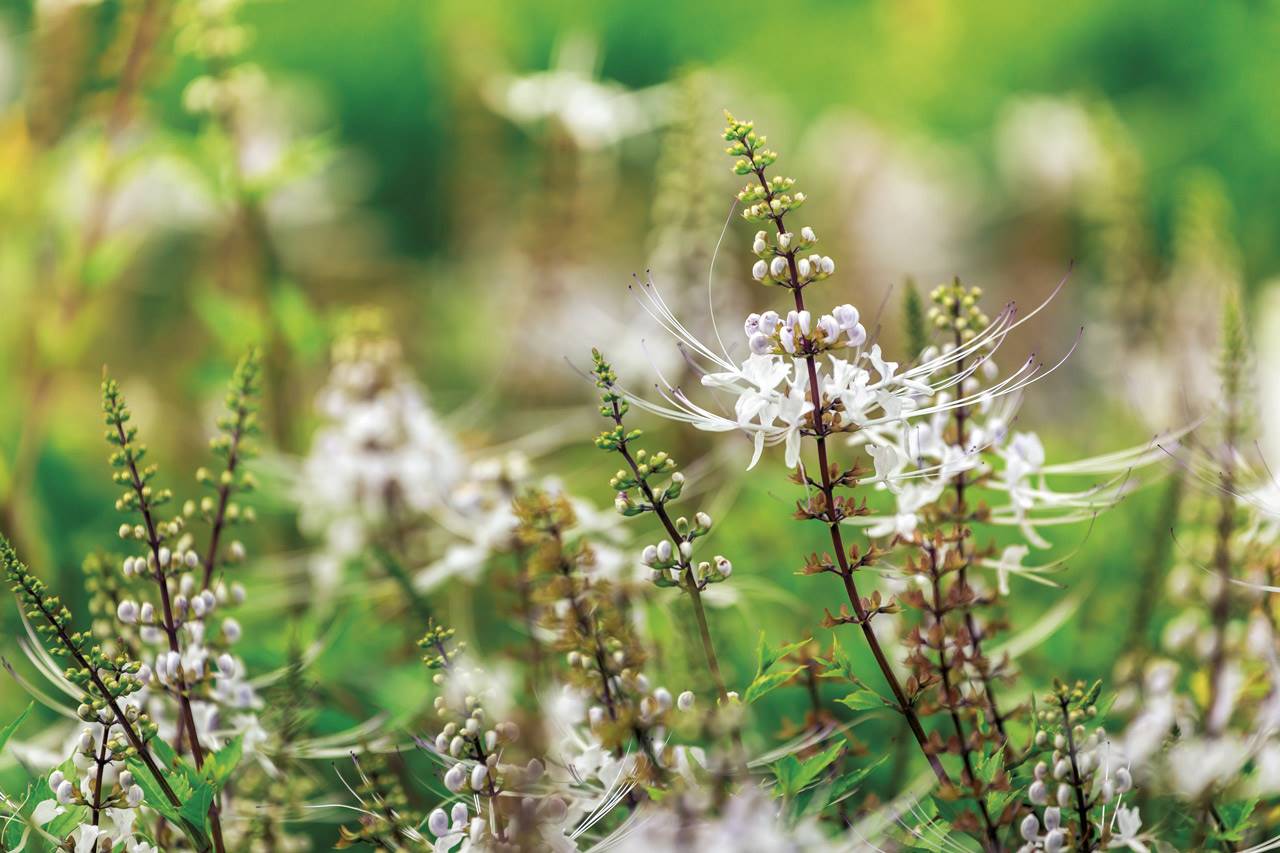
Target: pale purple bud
x=846, y=315
x=685, y=701
x=456, y=778
x=752, y=324
x=759, y=270
x=769, y=322
x=829, y=329
x=778, y=267
x=127, y=612
x=1030, y=828
x=438, y=823
x=479, y=774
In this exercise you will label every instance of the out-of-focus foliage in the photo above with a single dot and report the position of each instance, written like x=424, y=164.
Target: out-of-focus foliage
x=182, y=181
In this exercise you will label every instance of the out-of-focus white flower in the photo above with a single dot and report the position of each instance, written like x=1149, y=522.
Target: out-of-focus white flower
x=595, y=114
x=1047, y=147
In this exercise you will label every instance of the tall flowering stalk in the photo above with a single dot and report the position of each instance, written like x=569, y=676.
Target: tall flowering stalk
x=234, y=445
x=107, y=682
x=781, y=262
x=605, y=659
x=671, y=560
x=161, y=565
x=1076, y=793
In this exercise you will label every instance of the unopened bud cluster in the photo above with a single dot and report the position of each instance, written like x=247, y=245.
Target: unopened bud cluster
x=762, y=199
x=956, y=309
x=780, y=260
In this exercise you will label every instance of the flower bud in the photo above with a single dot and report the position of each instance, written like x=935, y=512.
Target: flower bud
x=758, y=270
x=1064, y=795
x=1030, y=828
x=438, y=823
x=723, y=566
x=685, y=701
x=456, y=778
x=127, y=612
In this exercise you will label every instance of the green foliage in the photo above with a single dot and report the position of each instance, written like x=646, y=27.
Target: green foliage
x=793, y=775
x=766, y=678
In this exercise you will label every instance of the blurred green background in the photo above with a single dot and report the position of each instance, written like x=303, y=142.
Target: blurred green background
x=491, y=174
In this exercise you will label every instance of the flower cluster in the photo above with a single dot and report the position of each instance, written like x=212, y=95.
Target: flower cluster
x=589, y=627
x=97, y=780
x=1080, y=777
x=797, y=334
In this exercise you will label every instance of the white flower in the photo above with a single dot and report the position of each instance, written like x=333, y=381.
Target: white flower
x=1125, y=830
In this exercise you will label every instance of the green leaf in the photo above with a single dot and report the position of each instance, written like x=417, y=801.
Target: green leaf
x=767, y=683
x=152, y=793
x=998, y=801
x=218, y=766
x=988, y=766
x=864, y=699
x=163, y=752
x=1235, y=819
x=62, y=825
x=195, y=808
x=766, y=657
x=7, y=731
x=839, y=665
x=794, y=775
x=846, y=783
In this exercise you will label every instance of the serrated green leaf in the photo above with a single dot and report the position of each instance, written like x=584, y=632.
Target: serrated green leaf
x=1236, y=820
x=864, y=699
x=838, y=665
x=794, y=775
x=152, y=793
x=195, y=808
x=988, y=767
x=768, y=682
x=63, y=825
x=219, y=766
x=848, y=781
x=767, y=656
